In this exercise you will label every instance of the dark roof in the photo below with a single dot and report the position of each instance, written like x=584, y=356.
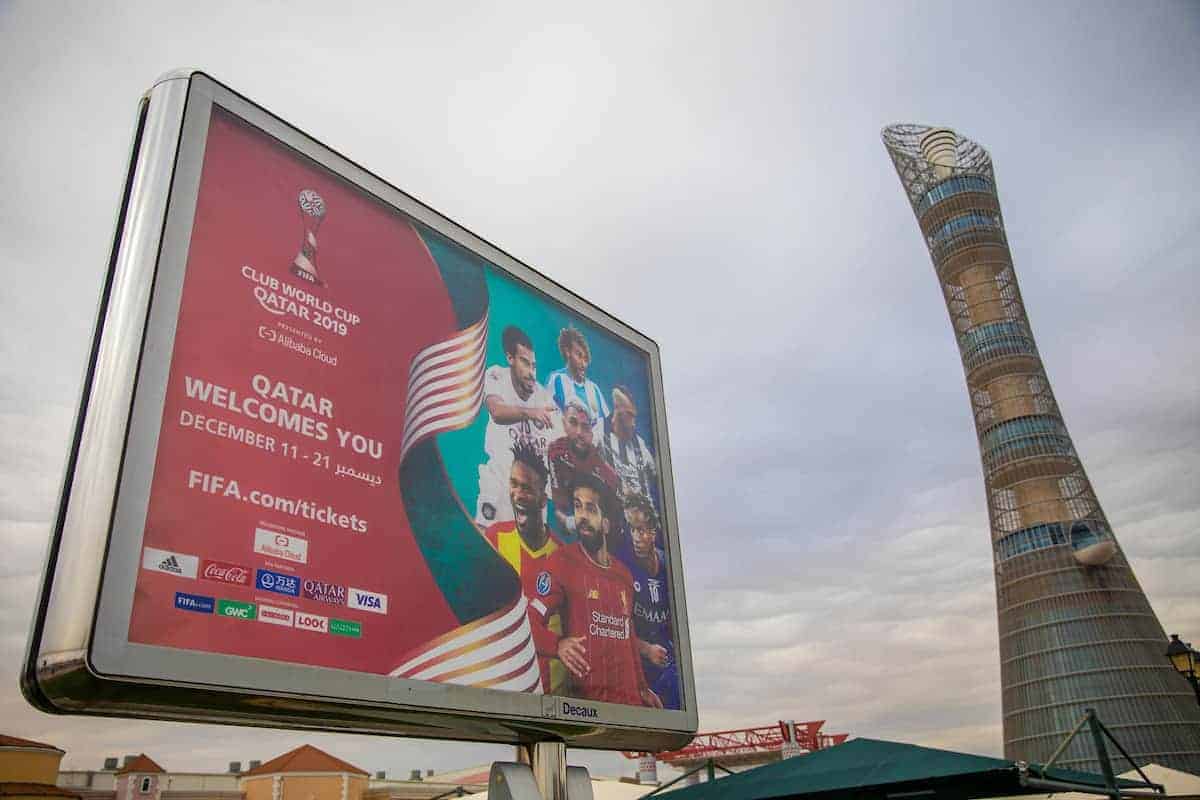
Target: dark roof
x=13, y=741
x=11, y=788
x=143, y=763
x=872, y=769
x=305, y=758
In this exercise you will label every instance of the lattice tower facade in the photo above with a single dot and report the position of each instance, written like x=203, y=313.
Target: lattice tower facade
x=1076, y=629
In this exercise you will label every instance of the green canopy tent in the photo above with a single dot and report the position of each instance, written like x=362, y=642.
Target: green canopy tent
x=872, y=769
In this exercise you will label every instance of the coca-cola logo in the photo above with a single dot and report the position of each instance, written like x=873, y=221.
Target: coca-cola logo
x=224, y=572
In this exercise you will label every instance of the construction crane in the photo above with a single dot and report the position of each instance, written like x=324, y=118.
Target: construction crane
x=746, y=747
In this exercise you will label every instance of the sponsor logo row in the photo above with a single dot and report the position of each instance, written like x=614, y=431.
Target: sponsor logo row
x=273, y=615
x=188, y=566
x=267, y=543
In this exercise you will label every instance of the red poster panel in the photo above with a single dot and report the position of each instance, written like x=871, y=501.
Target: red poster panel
x=360, y=467
x=274, y=493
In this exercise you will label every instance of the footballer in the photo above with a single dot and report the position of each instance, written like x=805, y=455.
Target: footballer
x=594, y=594
x=624, y=449
x=571, y=380
x=571, y=455
x=519, y=410
x=526, y=544
x=651, y=600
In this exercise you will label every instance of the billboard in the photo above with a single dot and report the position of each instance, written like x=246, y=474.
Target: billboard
x=363, y=470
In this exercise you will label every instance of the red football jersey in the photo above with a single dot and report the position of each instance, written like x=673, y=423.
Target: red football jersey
x=595, y=603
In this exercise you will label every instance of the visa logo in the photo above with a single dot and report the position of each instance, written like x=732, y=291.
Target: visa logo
x=277, y=582
x=367, y=601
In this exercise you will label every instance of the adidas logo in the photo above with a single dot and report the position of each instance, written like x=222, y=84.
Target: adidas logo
x=180, y=564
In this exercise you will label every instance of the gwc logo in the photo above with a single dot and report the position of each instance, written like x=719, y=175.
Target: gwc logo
x=232, y=608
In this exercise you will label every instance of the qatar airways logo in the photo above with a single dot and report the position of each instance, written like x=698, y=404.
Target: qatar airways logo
x=223, y=572
x=280, y=545
x=331, y=593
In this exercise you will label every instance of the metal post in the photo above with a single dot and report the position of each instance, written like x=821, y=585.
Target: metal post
x=1110, y=780
x=1191, y=676
x=691, y=777
x=711, y=772
x=548, y=760
x=1063, y=745
x=647, y=772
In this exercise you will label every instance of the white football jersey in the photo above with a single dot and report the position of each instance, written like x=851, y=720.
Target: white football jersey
x=498, y=441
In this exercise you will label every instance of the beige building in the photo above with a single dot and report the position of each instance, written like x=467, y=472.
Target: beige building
x=305, y=773
x=29, y=770
x=142, y=778
x=444, y=784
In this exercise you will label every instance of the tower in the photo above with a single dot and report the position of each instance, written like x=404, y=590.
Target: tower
x=1076, y=629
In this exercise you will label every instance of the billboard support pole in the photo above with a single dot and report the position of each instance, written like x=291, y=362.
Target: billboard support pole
x=548, y=760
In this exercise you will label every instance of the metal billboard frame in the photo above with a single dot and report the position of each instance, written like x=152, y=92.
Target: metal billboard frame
x=79, y=659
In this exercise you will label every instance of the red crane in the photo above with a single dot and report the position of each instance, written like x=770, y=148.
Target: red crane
x=748, y=746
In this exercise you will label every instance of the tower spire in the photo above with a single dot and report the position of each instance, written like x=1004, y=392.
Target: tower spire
x=1076, y=629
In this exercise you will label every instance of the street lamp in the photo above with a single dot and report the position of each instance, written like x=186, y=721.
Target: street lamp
x=1185, y=660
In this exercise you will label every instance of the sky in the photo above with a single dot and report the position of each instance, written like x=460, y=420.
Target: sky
x=711, y=173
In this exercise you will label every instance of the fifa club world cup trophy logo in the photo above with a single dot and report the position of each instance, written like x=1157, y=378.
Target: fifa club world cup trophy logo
x=312, y=211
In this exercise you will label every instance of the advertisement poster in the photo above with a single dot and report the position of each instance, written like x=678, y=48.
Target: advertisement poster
x=381, y=453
